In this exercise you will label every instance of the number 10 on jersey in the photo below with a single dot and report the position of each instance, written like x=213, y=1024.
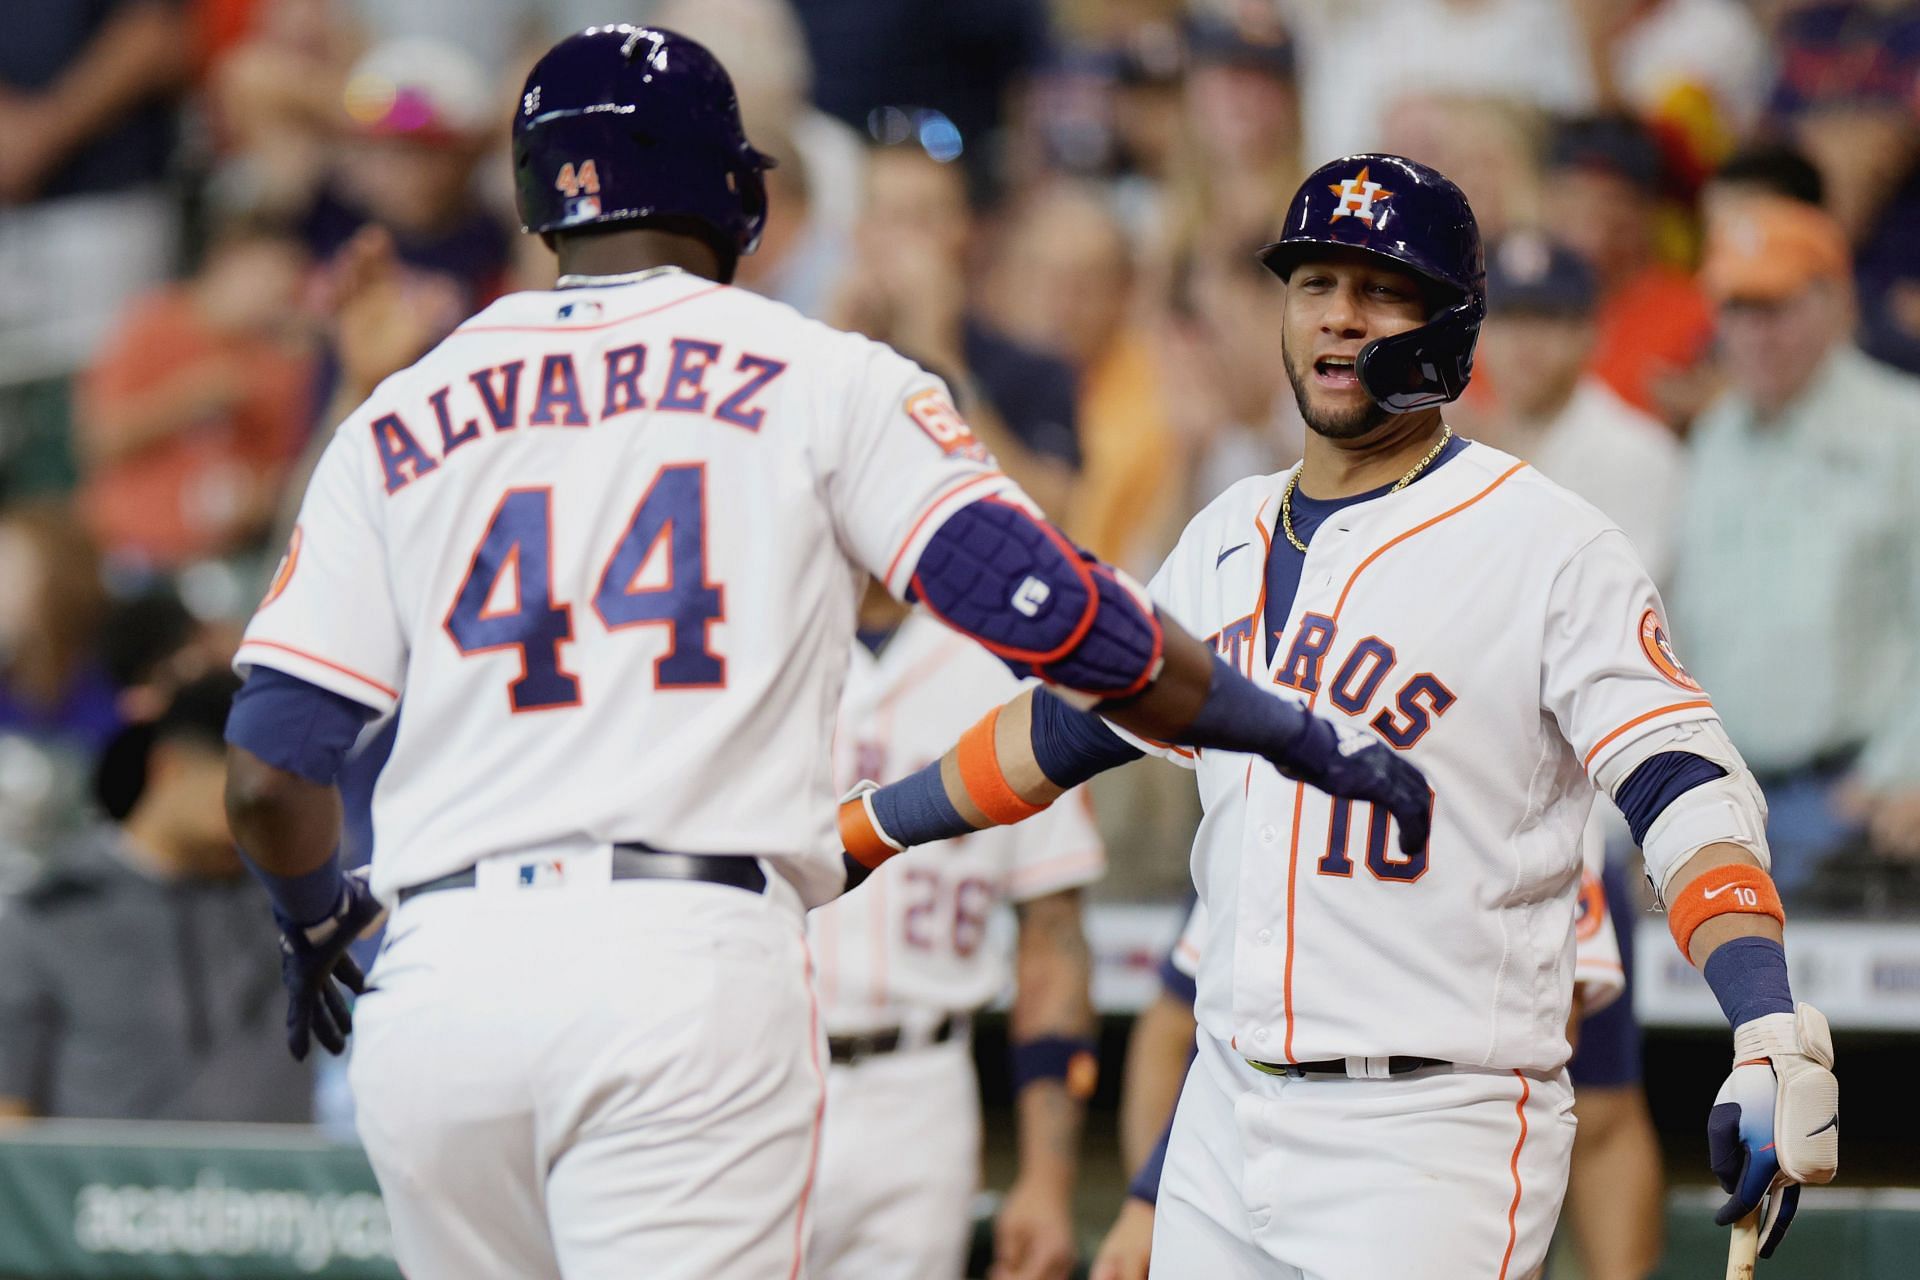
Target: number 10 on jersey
x=521, y=613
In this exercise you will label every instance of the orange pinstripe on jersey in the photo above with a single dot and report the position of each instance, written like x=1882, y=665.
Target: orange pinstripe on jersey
x=1642, y=719
x=1300, y=792
x=1513, y=1210
x=328, y=663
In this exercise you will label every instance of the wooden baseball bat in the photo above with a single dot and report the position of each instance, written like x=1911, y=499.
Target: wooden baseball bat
x=1743, y=1249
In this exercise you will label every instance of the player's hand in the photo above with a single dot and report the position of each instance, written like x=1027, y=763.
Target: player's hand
x=1124, y=1253
x=1033, y=1235
x=314, y=965
x=1776, y=1121
x=1355, y=765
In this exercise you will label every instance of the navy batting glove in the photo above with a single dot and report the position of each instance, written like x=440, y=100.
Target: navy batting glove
x=315, y=966
x=1355, y=765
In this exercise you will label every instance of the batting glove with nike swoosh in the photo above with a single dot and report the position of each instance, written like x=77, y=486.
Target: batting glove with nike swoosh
x=1775, y=1123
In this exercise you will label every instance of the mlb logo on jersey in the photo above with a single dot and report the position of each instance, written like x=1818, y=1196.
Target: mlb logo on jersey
x=542, y=873
x=1357, y=195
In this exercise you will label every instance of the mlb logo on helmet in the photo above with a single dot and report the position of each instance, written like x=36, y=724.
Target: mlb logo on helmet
x=1357, y=195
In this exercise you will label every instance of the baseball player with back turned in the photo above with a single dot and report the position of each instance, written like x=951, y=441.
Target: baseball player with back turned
x=1380, y=1087
x=903, y=961
x=605, y=543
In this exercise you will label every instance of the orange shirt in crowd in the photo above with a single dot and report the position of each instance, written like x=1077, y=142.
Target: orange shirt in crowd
x=191, y=493
x=1658, y=322
x=1130, y=471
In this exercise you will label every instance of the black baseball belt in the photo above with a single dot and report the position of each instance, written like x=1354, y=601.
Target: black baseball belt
x=642, y=862
x=847, y=1050
x=1397, y=1065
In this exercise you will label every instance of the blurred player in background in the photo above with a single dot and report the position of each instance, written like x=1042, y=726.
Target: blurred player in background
x=608, y=541
x=905, y=960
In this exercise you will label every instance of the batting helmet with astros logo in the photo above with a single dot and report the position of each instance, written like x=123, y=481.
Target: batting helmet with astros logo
x=637, y=126
x=1415, y=218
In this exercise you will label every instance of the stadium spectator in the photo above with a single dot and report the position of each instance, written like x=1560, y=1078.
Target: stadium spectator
x=187, y=421
x=761, y=44
x=1356, y=59
x=1795, y=596
x=130, y=982
x=907, y=286
x=1848, y=89
x=1488, y=146
x=965, y=61
x=422, y=117
x=1764, y=168
x=802, y=256
x=86, y=139
x=1694, y=70
x=276, y=98
x=1238, y=159
x=1064, y=281
x=1601, y=195
x=53, y=688
x=1552, y=411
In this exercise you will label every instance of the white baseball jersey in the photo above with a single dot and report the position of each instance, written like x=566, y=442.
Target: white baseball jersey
x=912, y=943
x=609, y=542
x=1503, y=633
x=1598, y=974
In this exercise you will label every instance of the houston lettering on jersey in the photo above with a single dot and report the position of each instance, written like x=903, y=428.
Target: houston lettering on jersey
x=695, y=377
x=1362, y=673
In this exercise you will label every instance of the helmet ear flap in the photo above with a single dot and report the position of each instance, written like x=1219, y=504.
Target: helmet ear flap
x=1424, y=367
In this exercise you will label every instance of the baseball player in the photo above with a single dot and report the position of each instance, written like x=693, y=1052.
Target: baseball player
x=1380, y=1087
x=903, y=961
x=604, y=544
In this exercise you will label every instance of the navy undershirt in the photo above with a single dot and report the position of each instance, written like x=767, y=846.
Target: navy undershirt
x=1284, y=561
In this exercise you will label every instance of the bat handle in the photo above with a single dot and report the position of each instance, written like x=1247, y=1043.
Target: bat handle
x=1743, y=1249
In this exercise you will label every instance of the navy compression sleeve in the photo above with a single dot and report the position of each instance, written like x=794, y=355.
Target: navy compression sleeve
x=1071, y=746
x=1658, y=781
x=295, y=726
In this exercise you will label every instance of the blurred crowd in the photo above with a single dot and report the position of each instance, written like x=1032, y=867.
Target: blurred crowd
x=222, y=222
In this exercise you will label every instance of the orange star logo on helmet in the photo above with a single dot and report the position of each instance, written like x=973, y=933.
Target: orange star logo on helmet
x=1357, y=195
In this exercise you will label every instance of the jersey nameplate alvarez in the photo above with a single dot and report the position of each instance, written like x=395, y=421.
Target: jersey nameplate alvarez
x=601, y=537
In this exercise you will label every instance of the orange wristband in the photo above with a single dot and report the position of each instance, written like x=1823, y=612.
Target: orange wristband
x=980, y=774
x=1730, y=890
x=859, y=838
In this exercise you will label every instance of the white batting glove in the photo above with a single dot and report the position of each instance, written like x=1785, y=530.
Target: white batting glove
x=1775, y=1123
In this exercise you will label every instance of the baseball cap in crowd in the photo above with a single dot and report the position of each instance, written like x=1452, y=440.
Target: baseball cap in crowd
x=197, y=713
x=1616, y=144
x=1768, y=248
x=1527, y=271
x=1214, y=41
x=422, y=89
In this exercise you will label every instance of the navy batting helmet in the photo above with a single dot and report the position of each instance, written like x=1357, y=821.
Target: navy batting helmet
x=1415, y=218
x=623, y=124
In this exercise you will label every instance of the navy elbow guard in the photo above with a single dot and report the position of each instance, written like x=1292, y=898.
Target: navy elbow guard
x=1013, y=582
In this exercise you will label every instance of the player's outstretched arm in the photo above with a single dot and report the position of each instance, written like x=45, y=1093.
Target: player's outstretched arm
x=1150, y=677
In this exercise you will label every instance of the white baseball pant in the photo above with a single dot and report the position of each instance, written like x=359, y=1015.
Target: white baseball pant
x=1448, y=1173
x=606, y=1080
x=899, y=1164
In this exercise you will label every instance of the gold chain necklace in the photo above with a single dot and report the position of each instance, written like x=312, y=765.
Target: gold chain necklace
x=1293, y=482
